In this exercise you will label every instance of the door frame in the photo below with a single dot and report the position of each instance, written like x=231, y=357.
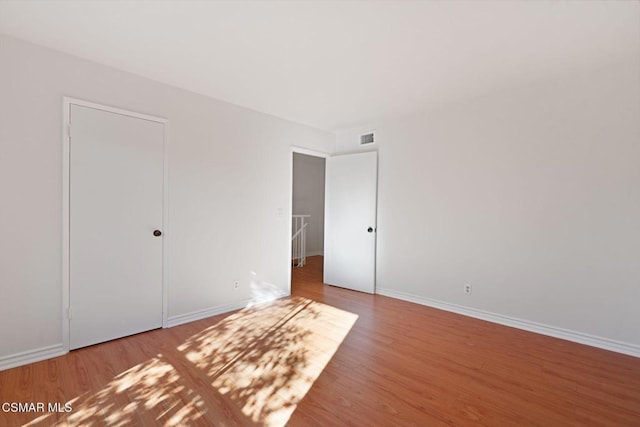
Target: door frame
x=299, y=150
x=67, y=102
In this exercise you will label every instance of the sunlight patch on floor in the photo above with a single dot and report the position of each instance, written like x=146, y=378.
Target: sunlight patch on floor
x=251, y=368
x=266, y=358
x=146, y=388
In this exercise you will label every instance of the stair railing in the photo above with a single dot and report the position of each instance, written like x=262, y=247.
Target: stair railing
x=299, y=240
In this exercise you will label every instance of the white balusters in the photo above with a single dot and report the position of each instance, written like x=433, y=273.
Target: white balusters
x=299, y=240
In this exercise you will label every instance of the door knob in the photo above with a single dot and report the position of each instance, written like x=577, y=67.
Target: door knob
x=370, y=229
x=157, y=233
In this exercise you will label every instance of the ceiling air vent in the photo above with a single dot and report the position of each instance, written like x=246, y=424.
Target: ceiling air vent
x=367, y=138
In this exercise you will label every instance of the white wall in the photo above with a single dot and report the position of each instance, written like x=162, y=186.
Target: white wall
x=531, y=195
x=308, y=198
x=229, y=174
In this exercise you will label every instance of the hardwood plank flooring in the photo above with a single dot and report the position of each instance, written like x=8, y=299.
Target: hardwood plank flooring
x=398, y=364
x=406, y=364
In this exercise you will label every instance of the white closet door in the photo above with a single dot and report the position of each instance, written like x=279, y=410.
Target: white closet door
x=115, y=205
x=350, y=221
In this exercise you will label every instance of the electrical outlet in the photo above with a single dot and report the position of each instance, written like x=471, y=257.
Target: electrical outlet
x=467, y=288
x=236, y=284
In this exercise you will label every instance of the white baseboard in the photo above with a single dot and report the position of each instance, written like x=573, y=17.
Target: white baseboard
x=579, y=337
x=220, y=309
x=31, y=356
x=39, y=354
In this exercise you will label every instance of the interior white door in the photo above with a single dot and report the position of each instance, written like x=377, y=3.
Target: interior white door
x=350, y=221
x=115, y=206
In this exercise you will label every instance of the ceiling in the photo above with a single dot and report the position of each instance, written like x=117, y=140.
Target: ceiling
x=335, y=64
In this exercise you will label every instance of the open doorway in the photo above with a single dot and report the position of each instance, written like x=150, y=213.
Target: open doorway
x=307, y=233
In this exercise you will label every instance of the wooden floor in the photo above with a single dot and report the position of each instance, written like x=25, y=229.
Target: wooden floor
x=304, y=359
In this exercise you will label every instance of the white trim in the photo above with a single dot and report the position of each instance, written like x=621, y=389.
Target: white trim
x=165, y=225
x=527, y=325
x=68, y=100
x=315, y=253
x=31, y=356
x=220, y=309
x=203, y=314
x=308, y=152
x=66, y=182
